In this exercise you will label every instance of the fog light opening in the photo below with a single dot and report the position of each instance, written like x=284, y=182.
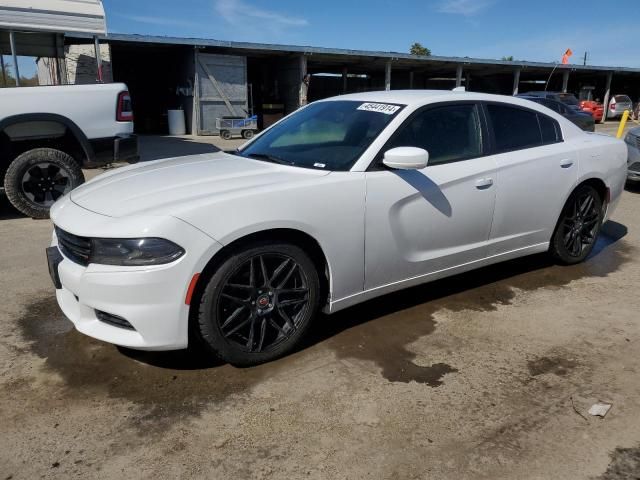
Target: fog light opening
x=113, y=320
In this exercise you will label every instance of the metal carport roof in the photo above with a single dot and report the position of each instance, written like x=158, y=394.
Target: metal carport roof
x=79, y=16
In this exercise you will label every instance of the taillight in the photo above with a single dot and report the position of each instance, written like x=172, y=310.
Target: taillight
x=124, y=112
x=613, y=106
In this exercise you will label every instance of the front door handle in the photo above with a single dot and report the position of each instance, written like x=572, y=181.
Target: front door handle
x=566, y=163
x=484, y=183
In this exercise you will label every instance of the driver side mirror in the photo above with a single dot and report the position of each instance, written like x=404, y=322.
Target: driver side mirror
x=406, y=158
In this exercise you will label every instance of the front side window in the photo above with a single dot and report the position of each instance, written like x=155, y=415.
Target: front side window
x=514, y=128
x=325, y=135
x=449, y=133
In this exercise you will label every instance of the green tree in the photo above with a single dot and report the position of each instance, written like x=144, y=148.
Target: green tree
x=8, y=79
x=418, y=49
x=508, y=59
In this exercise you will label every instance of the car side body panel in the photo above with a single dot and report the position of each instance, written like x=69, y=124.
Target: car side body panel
x=532, y=186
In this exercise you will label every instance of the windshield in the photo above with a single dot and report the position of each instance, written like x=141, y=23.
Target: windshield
x=325, y=135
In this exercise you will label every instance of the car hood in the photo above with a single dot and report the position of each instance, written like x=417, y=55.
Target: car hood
x=165, y=187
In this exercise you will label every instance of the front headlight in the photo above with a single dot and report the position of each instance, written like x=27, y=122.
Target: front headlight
x=134, y=252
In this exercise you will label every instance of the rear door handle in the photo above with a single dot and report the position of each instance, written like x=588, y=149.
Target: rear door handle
x=566, y=163
x=484, y=183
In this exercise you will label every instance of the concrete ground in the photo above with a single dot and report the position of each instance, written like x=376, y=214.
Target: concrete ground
x=485, y=375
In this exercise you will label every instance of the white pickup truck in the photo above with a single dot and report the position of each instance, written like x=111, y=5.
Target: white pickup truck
x=48, y=134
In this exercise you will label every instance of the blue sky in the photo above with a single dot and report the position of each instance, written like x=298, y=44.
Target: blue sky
x=474, y=28
x=540, y=30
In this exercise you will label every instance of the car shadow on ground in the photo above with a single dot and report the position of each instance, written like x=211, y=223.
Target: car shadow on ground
x=159, y=147
x=633, y=187
x=7, y=211
x=477, y=290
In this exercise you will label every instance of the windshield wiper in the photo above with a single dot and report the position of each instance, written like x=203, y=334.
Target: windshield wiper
x=270, y=158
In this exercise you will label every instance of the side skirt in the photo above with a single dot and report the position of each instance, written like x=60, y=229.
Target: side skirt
x=345, y=302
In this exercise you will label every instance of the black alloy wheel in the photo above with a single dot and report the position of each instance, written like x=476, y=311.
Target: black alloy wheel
x=259, y=304
x=579, y=226
x=37, y=178
x=46, y=182
x=263, y=302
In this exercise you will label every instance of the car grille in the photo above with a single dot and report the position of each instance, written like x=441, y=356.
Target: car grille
x=75, y=248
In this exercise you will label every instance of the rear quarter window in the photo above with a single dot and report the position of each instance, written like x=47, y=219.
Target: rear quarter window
x=550, y=129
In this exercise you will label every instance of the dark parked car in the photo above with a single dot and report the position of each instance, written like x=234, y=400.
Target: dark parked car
x=569, y=99
x=582, y=119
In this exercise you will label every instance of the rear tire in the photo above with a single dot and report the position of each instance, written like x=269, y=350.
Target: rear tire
x=578, y=228
x=39, y=177
x=259, y=304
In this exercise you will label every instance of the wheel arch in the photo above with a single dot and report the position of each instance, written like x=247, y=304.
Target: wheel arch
x=75, y=132
x=297, y=237
x=598, y=184
x=595, y=182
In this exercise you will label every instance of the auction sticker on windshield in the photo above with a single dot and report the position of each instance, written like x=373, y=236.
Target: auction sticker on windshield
x=385, y=108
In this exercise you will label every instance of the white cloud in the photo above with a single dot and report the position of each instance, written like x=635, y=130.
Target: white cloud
x=464, y=7
x=164, y=21
x=239, y=13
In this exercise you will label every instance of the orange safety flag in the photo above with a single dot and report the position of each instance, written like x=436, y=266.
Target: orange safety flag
x=565, y=57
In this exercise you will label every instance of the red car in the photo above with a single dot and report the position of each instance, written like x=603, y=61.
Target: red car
x=596, y=109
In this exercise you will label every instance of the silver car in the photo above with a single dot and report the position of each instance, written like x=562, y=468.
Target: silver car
x=618, y=104
x=632, y=140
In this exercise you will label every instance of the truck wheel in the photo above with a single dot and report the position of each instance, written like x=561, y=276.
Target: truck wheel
x=39, y=177
x=247, y=134
x=226, y=134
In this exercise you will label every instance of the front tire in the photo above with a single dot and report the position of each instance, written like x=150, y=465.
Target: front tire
x=259, y=304
x=39, y=177
x=578, y=227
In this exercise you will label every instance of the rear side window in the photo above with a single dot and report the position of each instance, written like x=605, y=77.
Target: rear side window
x=622, y=99
x=569, y=99
x=555, y=106
x=517, y=128
x=514, y=128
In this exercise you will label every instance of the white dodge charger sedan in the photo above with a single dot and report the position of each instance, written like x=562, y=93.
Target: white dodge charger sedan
x=344, y=200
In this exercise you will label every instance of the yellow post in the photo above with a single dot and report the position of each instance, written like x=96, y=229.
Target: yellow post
x=623, y=122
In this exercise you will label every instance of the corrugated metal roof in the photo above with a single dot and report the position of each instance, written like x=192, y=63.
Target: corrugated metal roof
x=81, y=16
x=309, y=50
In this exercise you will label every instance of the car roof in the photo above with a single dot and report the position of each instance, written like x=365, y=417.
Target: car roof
x=422, y=97
x=406, y=97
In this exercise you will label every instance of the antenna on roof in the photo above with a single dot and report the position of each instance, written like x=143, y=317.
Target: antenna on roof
x=459, y=89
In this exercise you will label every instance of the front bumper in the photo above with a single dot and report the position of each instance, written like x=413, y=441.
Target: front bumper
x=151, y=299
